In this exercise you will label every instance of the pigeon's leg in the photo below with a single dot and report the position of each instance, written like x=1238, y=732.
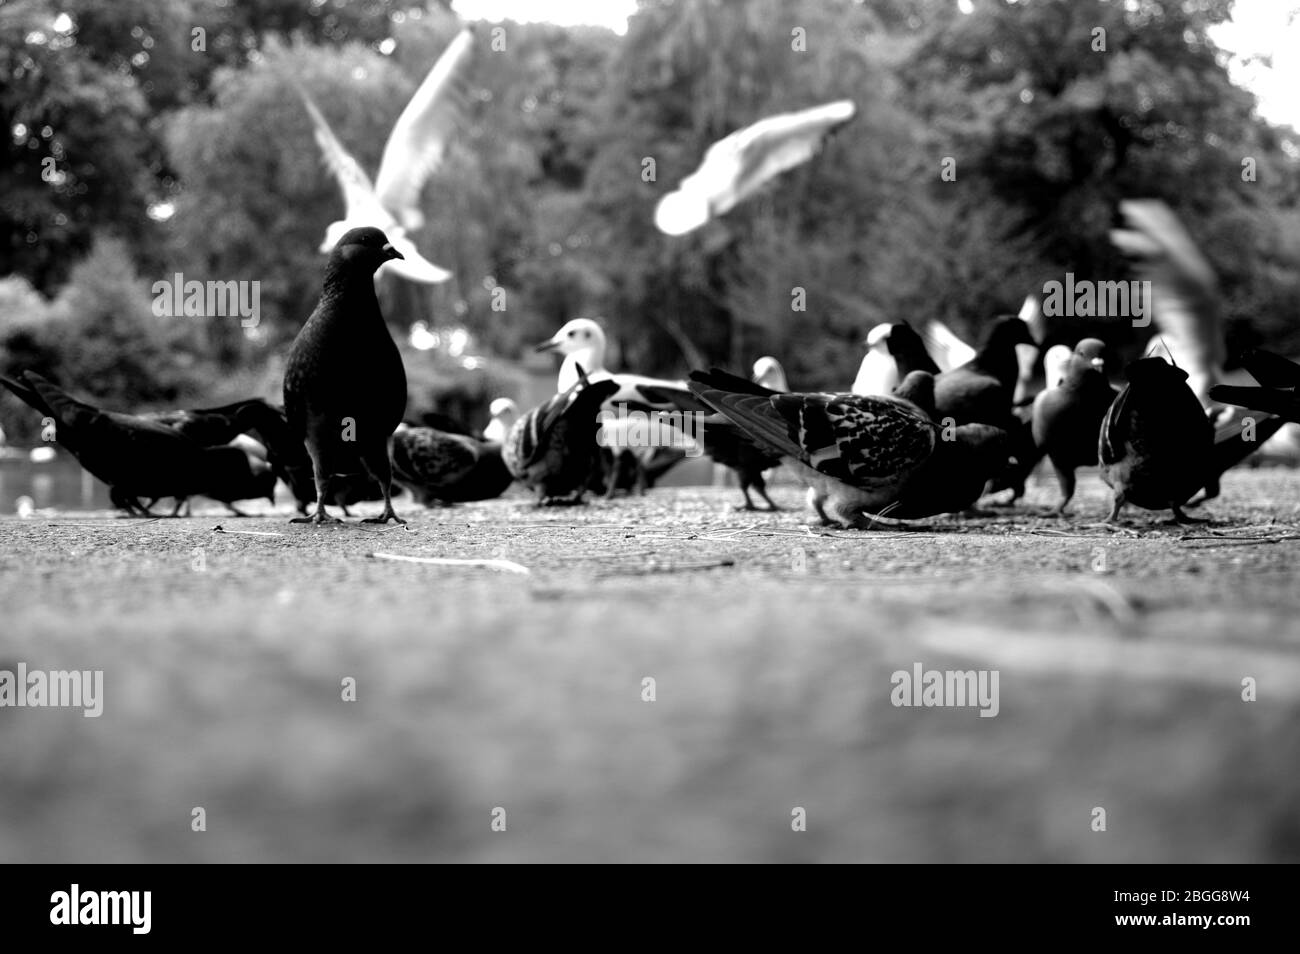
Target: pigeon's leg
x=818, y=502
x=178, y=502
x=148, y=508
x=1209, y=493
x=1065, y=475
x=761, y=486
x=380, y=469
x=235, y=511
x=323, y=482
x=1119, y=505
x=749, y=504
x=1183, y=518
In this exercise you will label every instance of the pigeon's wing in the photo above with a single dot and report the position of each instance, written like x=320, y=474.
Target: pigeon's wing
x=419, y=139
x=1110, y=447
x=1271, y=370
x=359, y=199
x=736, y=167
x=432, y=458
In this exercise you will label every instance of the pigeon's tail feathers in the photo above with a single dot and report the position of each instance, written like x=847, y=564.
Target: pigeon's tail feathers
x=1271, y=370
x=1279, y=402
x=1232, y=446
x=66, y=409
x=751, y=413
x=26, y=394
x=720, y=380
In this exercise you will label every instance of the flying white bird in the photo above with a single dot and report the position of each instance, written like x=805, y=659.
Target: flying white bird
x=582, y=342
x=415, y=149
x=736, y=167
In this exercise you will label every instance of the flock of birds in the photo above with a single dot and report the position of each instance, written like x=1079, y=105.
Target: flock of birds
x=929, y=426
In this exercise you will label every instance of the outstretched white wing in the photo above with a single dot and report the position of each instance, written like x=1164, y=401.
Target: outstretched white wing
x=419, y=140
x=736, y=167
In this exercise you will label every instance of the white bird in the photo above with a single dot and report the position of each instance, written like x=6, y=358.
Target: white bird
x=768, y=372
x=504, y=414
x=582, y=342
x=736, y=167
x=415, y=149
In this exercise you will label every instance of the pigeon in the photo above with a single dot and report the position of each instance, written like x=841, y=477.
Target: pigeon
x=136, y=457
x=1156, y=441
x=415, y=149
x=980, y=391
x=738, y=166
x=504, y=412
x=908, y=350
x=728, y=444
x=344, y=384
x=1067, y=416
x=439, y=468
x=855, y=452
x=552, y=449
x=582, y=342
x=895, y=350
x=965, y=458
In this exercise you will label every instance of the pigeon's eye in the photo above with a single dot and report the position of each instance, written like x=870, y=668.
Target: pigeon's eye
x=572, y=333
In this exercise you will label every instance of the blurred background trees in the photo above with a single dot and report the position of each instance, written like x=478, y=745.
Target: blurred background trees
x=171, y=158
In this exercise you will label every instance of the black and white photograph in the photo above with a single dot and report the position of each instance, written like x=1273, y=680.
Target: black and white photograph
x=651, y=432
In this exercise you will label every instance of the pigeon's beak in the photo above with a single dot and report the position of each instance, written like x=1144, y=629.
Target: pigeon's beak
x=549, y=345
x=392, y=253
x=1098, y=363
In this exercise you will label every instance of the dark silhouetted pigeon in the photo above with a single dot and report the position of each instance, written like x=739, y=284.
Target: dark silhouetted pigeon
x=344, y=384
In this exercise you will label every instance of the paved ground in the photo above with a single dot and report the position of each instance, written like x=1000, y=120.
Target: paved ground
x=1120, y=656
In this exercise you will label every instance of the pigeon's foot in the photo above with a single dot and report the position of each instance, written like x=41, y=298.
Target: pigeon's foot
x=319, y=517
x=575, y=501
x=384, y=517
x=744, y=506
x=1180, y=517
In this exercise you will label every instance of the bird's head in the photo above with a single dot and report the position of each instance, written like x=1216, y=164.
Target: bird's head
x=503, y=409
x=580, y=334
x=1155, y=371
x=768, y=372
x=878, y=336
x=1092, y=351
x=1010, y=330
x=364, y=248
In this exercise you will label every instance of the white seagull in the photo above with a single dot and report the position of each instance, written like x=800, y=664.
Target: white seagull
x=736, y=167
x=582, y=342
x=415, y=149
